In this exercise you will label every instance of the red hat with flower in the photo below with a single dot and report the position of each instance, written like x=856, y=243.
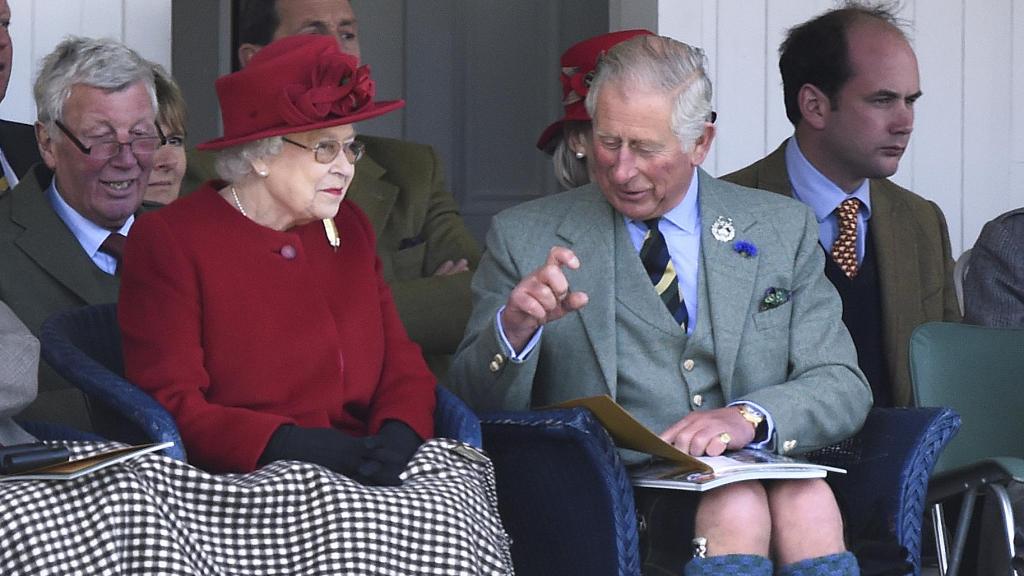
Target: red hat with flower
x=578, y=63
x=295, y=84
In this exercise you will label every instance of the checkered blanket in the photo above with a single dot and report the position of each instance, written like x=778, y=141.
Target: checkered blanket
x=155, y=515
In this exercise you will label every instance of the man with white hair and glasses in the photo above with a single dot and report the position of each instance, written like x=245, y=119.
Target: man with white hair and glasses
x=63, y=226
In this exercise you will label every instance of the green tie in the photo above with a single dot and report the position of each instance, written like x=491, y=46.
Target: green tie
x=656, y=260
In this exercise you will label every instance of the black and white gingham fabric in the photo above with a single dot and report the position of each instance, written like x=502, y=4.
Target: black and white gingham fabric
x=155, y=515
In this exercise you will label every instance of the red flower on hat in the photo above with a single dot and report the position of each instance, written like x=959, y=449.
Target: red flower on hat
x=336, y=88
x=575, y=85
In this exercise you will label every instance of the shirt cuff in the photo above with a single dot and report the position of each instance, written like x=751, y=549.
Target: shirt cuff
x=769, y=425
x=516, y=357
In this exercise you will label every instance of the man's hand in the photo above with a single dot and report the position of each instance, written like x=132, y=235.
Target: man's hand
x=541, y=297
x=700, y=433
x=449, y=267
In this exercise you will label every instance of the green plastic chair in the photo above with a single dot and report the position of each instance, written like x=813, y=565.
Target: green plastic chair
x=979, y=372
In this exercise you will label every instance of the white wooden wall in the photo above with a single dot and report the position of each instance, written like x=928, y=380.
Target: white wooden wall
x=967, y=150
x=37, y=26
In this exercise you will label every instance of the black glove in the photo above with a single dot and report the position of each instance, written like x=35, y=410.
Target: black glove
x=397, y=443
x=328, y=447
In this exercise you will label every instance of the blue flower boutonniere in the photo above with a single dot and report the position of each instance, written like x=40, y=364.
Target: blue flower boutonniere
x=744, y=248
x=773, y=298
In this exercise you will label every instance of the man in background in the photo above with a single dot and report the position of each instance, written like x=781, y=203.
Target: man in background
x=18, y=148
x=63, y=226
x=850, y=81
x=426, y=250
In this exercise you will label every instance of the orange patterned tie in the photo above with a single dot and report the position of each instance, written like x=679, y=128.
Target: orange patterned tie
x=4, y=184
x=844, y=249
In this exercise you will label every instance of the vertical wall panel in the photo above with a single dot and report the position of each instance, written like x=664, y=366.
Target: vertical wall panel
x=147, y=29
x=39, y=25
x=781, y=15
x=739, y=77
x=1017, y=171
x=987, y=108
x=382, y=46
x=937, y=149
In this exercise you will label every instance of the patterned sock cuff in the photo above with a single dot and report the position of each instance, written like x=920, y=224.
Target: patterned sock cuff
x=843, y=564
x=747, y=564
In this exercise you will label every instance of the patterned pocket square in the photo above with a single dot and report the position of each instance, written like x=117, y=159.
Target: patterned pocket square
x=773, y=298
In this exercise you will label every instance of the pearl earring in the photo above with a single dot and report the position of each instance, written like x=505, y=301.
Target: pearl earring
x=580, y=155
x=262, y=172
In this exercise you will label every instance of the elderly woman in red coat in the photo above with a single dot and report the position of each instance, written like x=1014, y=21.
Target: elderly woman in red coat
x=254, y=309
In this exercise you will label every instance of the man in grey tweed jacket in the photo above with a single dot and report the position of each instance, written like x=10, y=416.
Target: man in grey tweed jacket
x=563, y=307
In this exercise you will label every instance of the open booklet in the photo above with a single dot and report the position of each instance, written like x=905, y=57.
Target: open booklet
x=677, y=470
x=71, y=469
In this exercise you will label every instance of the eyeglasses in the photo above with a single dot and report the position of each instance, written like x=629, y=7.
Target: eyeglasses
x=326, y=151
x=109, y=148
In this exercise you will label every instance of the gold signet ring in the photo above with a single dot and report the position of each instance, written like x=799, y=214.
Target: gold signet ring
x=724, y=438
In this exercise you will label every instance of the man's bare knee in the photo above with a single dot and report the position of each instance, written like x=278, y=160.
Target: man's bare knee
x=805, y=520
x=735, y=519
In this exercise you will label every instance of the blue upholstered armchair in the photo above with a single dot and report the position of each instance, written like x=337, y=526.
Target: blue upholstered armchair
x=567, y=503
x=84, y=346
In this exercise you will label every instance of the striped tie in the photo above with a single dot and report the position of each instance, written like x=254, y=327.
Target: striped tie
x=656, y=260
x=844, y=249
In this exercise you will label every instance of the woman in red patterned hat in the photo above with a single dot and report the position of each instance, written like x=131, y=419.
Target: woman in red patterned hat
x=254, y=309
x=568, y=138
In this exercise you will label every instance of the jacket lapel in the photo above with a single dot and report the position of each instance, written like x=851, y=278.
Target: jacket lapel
x=729, y=277
x=587, y=231
x=898, y=273
x=370, y=192
x=48, y=242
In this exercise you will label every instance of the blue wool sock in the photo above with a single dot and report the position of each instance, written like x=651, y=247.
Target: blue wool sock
x=746, y=564
x=844, y=564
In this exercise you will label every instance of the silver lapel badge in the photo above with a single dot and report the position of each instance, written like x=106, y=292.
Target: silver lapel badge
x=722, y=229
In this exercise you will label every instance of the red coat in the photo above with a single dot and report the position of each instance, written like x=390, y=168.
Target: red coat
x=237, y=329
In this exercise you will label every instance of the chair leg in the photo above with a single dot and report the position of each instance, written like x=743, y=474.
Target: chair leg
x=1006, y=513
x=963, y=523
x=941, y=537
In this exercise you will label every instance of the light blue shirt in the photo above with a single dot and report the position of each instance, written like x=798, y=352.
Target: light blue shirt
x=89, y=234
x=823, y=197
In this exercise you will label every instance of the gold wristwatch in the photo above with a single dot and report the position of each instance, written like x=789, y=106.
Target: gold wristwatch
x=751, y=414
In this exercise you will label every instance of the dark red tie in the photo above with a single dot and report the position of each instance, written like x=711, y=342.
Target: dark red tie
x=114, y=245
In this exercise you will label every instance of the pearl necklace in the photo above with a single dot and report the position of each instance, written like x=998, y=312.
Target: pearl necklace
x=237, y=202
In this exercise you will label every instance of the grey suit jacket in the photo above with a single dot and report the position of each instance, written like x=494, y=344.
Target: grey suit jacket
x=797, y=360
x=915, y=262
x=19, y=365
x=43, y=270
x=994, y=286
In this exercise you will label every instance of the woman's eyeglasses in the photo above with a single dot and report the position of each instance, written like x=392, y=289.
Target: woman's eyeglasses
x=326, y=151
